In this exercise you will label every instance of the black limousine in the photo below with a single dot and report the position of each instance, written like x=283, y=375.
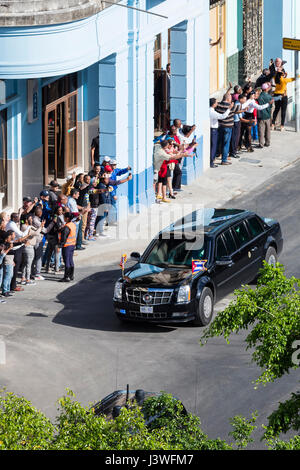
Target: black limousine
x=194, y=263
x=112, y=405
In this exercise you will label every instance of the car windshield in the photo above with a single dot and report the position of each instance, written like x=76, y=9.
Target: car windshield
x=174, y=252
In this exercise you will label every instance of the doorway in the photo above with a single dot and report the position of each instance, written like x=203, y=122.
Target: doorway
x=60, y=130
x=161, y=87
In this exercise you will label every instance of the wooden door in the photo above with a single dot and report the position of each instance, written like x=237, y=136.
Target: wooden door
x=60, y=137
x=214, y=63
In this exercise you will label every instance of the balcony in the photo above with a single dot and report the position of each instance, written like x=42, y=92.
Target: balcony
x=47, y=12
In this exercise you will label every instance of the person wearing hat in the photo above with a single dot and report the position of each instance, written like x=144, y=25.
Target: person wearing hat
x=47, y=210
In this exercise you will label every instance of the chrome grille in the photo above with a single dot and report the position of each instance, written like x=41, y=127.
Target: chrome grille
x=155, y=296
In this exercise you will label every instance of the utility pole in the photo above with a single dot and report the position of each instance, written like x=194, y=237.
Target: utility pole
x=293, y=44
x=297, y=91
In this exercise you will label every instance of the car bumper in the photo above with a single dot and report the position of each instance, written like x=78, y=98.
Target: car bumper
x=168, y=313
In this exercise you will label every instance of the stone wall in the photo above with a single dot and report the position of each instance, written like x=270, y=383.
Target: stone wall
x=253, y=38
x=43, y=12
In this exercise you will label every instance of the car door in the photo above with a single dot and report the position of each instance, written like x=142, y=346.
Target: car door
x=256, y=246
x=226, y=278
x=248, y=252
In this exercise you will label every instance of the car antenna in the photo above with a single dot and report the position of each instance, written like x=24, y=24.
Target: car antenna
x=127, y=395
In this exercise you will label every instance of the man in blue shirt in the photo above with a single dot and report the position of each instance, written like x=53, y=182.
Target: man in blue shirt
x=116, y=172
x=106, y=206
x=47, y=209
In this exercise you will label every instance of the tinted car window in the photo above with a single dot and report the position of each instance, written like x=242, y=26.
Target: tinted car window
x=230, y=243
x=176, y=252
x=255, y=227
x=221, y=249
x=242, y=235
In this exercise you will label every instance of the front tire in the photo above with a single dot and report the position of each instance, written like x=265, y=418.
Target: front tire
x=205, y=308
x=271, y=256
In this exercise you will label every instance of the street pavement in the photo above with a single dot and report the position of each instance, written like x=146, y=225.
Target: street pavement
x=60, y=336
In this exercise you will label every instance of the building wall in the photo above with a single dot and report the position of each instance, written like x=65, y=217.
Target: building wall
x=235, y=47
x=121, y=103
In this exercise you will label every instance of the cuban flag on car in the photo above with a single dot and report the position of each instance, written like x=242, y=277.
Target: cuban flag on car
x=198, y=266
x=123, y=262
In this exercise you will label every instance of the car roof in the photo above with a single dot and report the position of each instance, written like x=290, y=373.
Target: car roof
x=210, y=221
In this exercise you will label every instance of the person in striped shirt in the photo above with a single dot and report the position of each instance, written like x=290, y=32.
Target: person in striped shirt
x=225, y=127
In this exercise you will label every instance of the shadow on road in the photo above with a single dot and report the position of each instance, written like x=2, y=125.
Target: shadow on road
x=88, y=305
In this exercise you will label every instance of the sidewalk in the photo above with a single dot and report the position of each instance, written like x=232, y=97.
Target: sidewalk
x=213, y=189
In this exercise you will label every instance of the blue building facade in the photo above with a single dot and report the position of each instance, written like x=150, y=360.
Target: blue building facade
x=282, y=20
x=63, y=83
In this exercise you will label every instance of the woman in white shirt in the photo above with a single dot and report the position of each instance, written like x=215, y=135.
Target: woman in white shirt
x=250, y=105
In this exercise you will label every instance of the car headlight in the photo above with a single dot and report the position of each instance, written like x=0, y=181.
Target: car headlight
x=184, y=295
x=118, y=291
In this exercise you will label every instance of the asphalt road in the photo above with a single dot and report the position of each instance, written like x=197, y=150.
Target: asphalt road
x=60, y=336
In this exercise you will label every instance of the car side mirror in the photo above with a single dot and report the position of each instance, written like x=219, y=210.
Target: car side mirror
x=225, y=261
x=136, y=256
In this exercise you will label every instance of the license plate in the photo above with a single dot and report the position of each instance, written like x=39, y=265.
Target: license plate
x=146, y=309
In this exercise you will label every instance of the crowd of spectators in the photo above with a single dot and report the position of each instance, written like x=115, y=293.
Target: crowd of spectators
x=47, y=229
x=170, y=150
x=245, y=115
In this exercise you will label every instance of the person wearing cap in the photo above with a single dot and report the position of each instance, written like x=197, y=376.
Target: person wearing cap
x=47, y=210
x=53, y=194
x=264, y=116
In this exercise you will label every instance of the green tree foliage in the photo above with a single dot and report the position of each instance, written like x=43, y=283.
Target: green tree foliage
x=78, y=428
x=242, y=430
x=22, y=427
x=271, y=313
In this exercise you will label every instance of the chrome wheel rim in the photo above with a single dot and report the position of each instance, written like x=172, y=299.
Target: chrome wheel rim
x=207, y=306
x=272, y=261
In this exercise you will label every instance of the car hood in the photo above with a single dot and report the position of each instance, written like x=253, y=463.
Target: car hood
x=150, y=275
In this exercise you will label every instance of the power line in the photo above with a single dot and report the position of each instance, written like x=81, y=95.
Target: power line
x=134, y=8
